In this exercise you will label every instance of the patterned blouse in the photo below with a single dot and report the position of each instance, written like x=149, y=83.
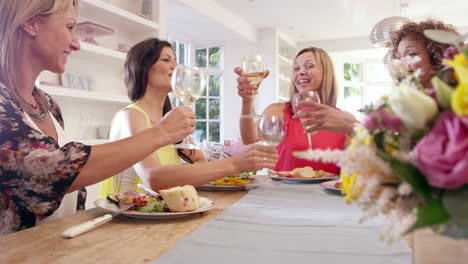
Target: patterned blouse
x=34, y=171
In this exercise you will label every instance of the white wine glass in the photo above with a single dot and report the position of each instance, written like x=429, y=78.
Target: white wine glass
x=271, y=130
x=189, y=85
x=309, y=96
x=253, y=68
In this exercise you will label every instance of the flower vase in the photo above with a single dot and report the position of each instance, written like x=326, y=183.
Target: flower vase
x=433, y=248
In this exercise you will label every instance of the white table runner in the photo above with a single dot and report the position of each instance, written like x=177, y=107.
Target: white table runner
x=286, y=223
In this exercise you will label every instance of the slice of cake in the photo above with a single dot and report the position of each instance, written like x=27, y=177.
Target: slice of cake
x=180, y=198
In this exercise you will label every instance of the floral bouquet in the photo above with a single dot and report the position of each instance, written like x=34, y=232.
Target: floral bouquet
x=409, y=159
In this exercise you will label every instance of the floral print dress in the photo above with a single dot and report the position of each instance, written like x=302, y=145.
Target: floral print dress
x=34, y=171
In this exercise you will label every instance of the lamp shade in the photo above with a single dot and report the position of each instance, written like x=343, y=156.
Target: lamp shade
x=387, y=58
x=380, y=35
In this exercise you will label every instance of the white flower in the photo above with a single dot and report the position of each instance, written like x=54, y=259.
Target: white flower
x=412, y=106
x=42, y=162
x=405, y=189
x=385, y=199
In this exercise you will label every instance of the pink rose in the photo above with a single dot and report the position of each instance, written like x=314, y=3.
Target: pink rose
x=383, y=119
x=442, y=155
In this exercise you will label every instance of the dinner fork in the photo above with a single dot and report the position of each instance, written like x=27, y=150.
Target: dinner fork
x=147, y=190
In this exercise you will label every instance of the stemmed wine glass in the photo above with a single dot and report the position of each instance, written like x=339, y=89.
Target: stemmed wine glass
x=253, y=68
x=189, y=84
x=271, y=130
x=310, y=96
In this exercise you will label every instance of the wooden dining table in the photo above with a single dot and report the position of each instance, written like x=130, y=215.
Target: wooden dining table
x=122, y=240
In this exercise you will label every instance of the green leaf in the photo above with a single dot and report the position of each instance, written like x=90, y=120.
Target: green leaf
x=417, y=135
x=379, y=140
x=443, y=91
x=390, y=184
x=429, y=214
x=409, y=173
x=456, y=201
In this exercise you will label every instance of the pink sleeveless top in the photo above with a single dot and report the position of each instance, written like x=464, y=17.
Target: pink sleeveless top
x=296, y=140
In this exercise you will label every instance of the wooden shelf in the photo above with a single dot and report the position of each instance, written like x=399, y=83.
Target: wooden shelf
x=85, y=96
x=116, y=17
x=90, y=51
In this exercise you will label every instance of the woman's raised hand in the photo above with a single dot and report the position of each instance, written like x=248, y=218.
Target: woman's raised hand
x=324, y=117
x=255, y=157
x=244, y=88
x=177, y=124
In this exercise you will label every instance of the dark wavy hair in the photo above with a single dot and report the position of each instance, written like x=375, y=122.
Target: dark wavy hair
x=140, y=59
x=414, y=31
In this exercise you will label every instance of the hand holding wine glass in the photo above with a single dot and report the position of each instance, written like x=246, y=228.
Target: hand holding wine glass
x=189, y=85
x=271, y=131
x=253, y=68
x=310, y=96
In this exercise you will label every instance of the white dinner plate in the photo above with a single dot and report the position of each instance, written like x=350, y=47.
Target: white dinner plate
x=327, y=177
x=329, y=186
x=205, y=205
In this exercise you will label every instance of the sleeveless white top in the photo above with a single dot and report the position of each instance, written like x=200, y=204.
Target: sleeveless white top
x=69, y=201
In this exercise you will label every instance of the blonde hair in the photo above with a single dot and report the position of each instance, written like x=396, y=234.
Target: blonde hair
x=329, y=88
x=13, y=14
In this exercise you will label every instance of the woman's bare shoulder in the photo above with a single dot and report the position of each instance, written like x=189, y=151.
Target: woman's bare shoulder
x=275, y=109
x=128, y=122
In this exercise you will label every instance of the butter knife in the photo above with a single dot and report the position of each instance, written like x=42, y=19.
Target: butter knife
x=91, y=224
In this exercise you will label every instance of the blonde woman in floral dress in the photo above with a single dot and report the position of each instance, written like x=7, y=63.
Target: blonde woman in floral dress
x=37, y=165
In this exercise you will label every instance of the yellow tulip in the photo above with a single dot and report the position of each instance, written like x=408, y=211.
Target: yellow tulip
x=460, y=65
x=460, y=99
x=348, y=186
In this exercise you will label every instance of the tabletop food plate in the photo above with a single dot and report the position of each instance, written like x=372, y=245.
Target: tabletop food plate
x=329, y=186
x=205, y=205
x=327, y=177
x=216, y=187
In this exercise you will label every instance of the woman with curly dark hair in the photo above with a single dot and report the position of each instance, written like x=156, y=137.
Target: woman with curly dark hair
x=409, y=40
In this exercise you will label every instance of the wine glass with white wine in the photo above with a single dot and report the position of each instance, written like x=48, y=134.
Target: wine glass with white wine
x=189, y=85
x=253, y=68
x=271, y=131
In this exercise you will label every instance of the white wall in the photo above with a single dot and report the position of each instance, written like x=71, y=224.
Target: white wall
x=339, y=45
x=233, y=53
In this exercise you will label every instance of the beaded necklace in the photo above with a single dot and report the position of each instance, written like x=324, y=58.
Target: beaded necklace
x=29, y=108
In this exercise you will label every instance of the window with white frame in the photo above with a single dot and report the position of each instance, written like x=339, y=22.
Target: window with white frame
x=364, y=84
x=353, y=87
x=377, y=81
x=208, y=107
x=181, y=51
